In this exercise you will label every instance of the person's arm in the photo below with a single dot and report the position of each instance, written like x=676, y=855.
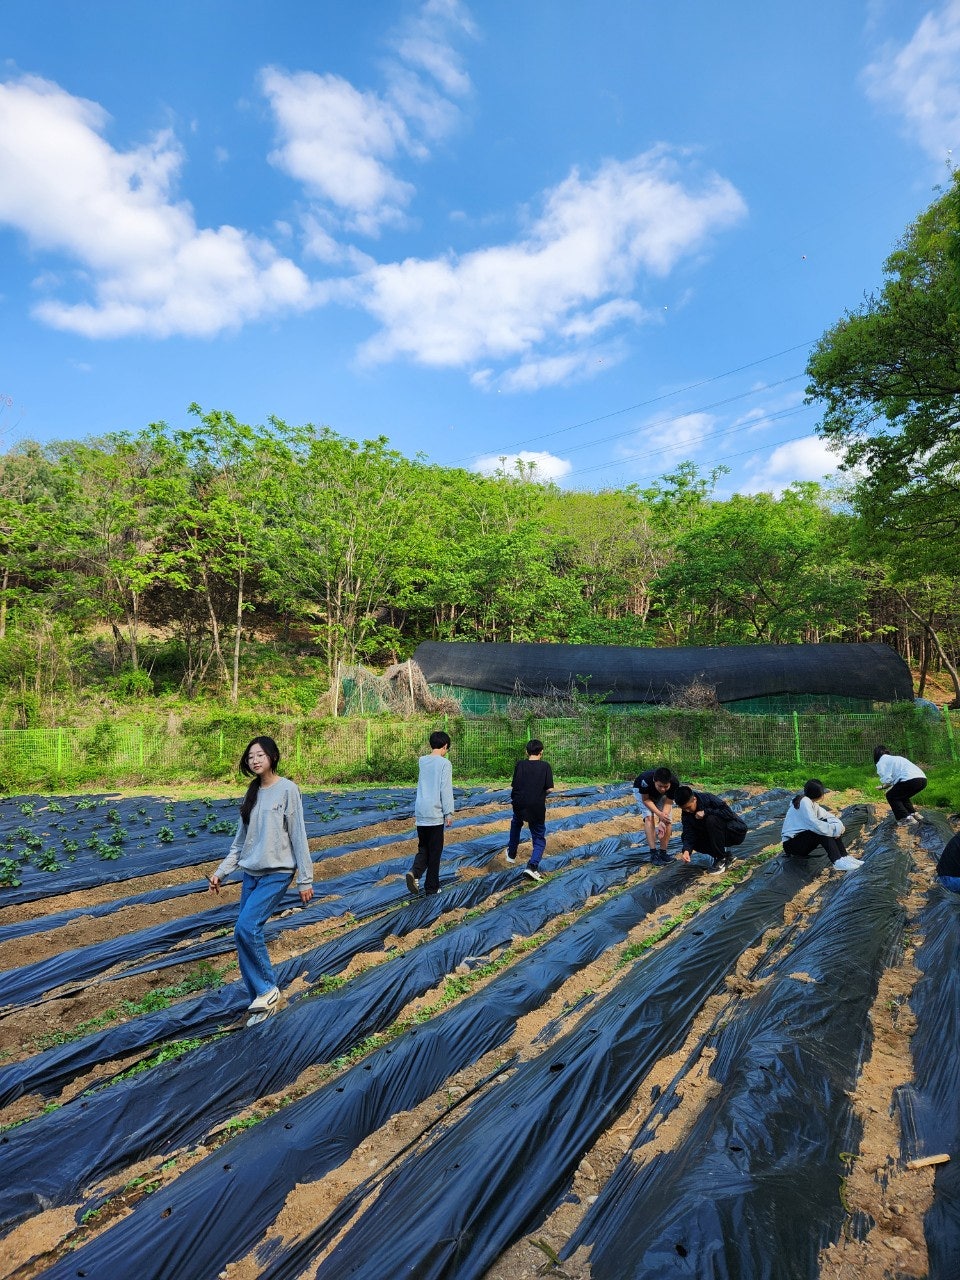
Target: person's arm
x=548, y=781
x=297, y=831
x=446, y=791
x=820, y=819
x=230, y=861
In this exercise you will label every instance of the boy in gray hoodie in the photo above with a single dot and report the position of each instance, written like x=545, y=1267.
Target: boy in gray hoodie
x=433, y=810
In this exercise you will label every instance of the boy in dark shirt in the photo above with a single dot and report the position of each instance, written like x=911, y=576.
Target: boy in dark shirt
x=532, y=779
x=656, y=790
x=709, y=826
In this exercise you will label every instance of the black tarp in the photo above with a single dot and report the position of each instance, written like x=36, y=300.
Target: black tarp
x=491, y=1176
x=928, y=1107
x=621, y=674
x=755, y=1188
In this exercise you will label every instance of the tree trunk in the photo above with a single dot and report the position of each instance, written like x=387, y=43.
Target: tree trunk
x=935, y=639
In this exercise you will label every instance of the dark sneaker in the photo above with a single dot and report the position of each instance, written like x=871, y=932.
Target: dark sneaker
x=661, y=859
x=532, y=874
x=720, y=865
x=413, y=884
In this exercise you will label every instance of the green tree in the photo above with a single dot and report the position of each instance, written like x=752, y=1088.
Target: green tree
x=116, y=514
x=758, y=568
x=889, y=377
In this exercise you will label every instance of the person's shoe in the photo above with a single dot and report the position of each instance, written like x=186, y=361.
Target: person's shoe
x=914, y=819
x=660, y=858
x=720, y=865
x=532, y=874
x=848, y=863
x=265, y=1003
x=413, y=884
x=510, y=857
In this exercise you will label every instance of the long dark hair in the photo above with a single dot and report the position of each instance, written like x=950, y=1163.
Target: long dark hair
x=272, y=752
x=813, y=789
x=878, y=752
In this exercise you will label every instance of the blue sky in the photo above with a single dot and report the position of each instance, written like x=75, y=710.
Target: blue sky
x=600, y=237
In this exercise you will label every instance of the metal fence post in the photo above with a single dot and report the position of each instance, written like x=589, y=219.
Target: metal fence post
x=796, y=737
x=953, y=747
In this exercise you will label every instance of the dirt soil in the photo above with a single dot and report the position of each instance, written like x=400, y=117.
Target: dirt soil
x=876, y=1183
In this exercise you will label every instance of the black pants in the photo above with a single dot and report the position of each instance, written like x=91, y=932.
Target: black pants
x=710, y=834
x=899, y=795
x=429, y=849
x=804, y=842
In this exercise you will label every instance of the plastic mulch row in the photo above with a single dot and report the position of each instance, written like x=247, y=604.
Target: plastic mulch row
x=50, y=1159
x=48, y=1072
x=755, y=1187
x=471, y=1204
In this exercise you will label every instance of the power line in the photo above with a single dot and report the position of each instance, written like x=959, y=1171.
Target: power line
x=642, y=404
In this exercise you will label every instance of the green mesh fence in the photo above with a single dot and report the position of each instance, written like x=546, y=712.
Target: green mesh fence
x=595, y=746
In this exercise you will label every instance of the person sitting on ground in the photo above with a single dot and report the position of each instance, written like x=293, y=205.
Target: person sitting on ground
x=807, y=825
x=656, y=790
x=948, y=865
x=901, y=779
x=532, y=780
x=709, y=826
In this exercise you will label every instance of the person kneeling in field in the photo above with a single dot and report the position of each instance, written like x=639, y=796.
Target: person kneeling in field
x=807, y=825
x=709, y=826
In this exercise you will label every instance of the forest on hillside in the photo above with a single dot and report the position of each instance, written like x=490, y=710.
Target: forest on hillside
x=154, y=561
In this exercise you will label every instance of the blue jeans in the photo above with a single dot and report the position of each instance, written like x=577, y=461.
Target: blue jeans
x=538, y=834
x=259, y=898
x=950, y=882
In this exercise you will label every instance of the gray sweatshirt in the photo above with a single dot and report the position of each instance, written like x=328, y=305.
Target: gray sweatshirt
x=434, y=803
x=275, y=840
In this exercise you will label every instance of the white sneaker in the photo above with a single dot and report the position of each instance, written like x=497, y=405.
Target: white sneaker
x=532, y=873
x=848, y=863
x=914, y=819
x=267, y=1002
x=510, y=857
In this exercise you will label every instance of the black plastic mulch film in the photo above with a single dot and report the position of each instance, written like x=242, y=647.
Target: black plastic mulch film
x=252, y=1205
x=48, y=1072
x=467, y=1211
x=52, y=1158
x=929, y=1108
x=20, y=986
x=754, y=1188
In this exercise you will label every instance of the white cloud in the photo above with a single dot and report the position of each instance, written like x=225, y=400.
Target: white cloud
x=570, y=276
x=921, y=81
x=535, y=466
x=344, y=143
x=807, y=459
x=662, y=443
x=149, y=267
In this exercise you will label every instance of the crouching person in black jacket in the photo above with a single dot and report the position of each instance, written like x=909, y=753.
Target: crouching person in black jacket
x=709, y=826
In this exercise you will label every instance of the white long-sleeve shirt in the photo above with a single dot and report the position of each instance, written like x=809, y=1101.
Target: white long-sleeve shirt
x=893, y=769
x=810, y=816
